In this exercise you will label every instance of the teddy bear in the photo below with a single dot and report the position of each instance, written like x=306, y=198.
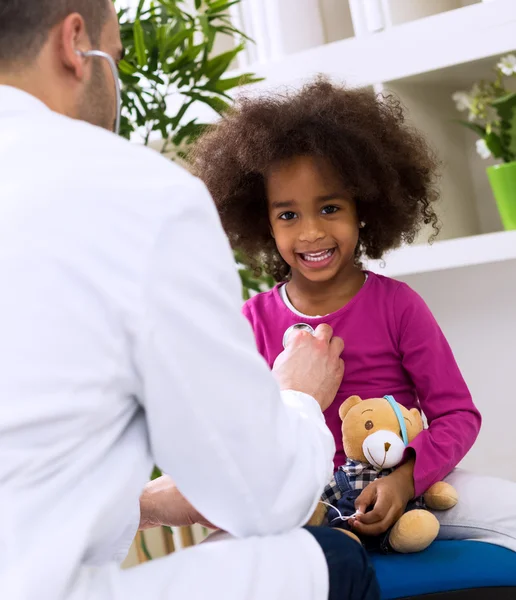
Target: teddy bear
x=375, y=433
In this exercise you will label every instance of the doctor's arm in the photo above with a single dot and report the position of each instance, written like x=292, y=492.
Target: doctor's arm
x=251, y=459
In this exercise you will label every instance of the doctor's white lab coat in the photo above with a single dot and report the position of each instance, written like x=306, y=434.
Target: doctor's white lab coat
x=121, y=346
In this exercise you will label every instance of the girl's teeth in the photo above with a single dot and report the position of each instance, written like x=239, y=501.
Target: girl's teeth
x=317, y=256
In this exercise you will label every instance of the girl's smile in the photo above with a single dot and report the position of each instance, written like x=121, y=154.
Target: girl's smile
x=317, y=260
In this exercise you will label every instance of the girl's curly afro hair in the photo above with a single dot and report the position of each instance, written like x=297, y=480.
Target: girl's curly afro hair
x=386, y=164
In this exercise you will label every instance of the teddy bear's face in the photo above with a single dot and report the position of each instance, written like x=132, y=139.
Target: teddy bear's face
x=371, y=432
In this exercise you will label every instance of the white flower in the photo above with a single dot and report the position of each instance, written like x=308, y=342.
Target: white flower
x=482, y=149
x=462, y=100
x=507, y=64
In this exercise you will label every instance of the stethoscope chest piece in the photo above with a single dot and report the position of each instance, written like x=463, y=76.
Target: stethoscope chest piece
x=297, y=327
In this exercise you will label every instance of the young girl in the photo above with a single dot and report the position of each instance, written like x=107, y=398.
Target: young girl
x=307, y=184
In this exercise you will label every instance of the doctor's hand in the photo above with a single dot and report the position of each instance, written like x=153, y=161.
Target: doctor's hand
x=312, y=364
x=161, y=503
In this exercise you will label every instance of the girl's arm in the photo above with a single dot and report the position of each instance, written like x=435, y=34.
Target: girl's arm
x=454, y=421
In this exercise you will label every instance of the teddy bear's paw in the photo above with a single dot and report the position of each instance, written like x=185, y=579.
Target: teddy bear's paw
x=441, y=496
x=414, y=532
x=350, y=534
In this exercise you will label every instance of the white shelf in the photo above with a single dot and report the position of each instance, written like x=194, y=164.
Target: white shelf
x=437, y=42
x=448, y=254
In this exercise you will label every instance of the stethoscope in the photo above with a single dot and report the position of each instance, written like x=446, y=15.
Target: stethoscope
x=297, y=327
x=114, y=71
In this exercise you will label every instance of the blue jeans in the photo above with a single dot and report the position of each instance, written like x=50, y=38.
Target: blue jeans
x=352, y=576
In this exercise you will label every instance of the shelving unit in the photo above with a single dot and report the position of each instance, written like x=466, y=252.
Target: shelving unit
x=423, y=62
x=449, y=39
x=449, y=254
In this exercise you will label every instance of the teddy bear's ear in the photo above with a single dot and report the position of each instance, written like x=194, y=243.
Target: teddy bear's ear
x=347, y=405
x=418, y=420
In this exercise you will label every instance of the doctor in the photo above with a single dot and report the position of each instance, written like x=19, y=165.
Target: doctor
x=122, y=346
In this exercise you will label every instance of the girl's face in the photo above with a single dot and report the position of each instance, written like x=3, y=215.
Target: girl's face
x=313, y=218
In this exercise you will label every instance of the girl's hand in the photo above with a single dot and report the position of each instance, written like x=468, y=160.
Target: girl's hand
x=389, y=497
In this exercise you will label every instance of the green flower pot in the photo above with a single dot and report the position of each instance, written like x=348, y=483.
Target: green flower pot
x=503, y=183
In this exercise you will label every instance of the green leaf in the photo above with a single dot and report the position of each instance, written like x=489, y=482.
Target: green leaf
x=494, y=143
x=506, y=109
x=205, y=25
x=223, y=85
x=161, y=36
x=231, y=31
x=156, y=473
x=126, y=68
x=176, y=121
x=190, y=132
x=215, y=67
x=139, y=43
x=185, y=61
x=221, y=6
x=217, y=104
x=198, y=4
x=478, y=129
x=155, y=78
x=139, y=9
x=174, y=43
x=505, y=104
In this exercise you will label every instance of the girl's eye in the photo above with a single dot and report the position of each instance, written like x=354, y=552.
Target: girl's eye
x=288, y=216
x=329, y=210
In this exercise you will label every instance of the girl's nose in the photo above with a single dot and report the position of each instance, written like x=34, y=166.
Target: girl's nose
x=311, y=231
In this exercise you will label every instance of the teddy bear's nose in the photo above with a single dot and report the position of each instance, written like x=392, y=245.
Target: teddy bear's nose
x=387, y=446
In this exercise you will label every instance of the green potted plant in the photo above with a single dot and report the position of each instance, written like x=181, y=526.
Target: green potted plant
x=491, y=111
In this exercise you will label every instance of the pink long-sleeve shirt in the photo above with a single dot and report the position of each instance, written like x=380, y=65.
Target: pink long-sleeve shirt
x=393, y=345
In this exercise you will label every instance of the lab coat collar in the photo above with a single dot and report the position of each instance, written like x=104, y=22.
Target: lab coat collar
x=15, y=100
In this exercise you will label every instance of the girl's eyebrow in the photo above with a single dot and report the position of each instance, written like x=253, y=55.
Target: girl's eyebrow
x=283, y=204
x=330, y=197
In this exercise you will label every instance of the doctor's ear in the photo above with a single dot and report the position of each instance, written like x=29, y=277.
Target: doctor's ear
x=73, y=40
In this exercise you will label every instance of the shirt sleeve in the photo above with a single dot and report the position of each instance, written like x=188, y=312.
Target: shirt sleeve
x=453, y=420
x=252, y=460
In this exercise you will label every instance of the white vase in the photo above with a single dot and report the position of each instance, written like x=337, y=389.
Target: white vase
x=367, y=16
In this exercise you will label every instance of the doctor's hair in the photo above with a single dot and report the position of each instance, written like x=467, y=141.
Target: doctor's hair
x=386, y=165
x=26, y=24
